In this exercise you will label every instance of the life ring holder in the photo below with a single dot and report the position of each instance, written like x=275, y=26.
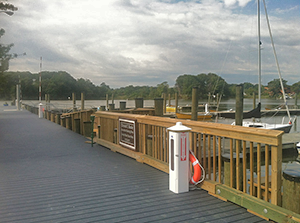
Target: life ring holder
x=197, y=177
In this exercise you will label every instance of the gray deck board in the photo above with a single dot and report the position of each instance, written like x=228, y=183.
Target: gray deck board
x=49, y=174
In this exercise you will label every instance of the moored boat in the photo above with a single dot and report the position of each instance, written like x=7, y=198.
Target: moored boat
x=170, y=109
x=283, y=127
x=298, y=147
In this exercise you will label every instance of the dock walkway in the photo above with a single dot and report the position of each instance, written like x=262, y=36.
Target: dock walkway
x=49, y=174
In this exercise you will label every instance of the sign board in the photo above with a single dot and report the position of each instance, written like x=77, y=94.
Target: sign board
x=127, y=133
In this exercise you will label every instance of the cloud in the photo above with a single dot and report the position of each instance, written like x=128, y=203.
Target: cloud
x=143, y=42
x=288, y=10
x=241, y=3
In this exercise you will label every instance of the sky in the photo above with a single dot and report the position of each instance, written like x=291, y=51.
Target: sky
x=147, y=42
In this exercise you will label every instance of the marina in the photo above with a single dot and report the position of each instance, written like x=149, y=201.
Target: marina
x=257, y=147
x=49, y=174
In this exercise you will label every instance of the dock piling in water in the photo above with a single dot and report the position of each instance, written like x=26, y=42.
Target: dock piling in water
x=291, y=188
x=194, y=104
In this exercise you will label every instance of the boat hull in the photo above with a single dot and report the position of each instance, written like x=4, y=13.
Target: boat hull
x=281, y=127
x=170, y=109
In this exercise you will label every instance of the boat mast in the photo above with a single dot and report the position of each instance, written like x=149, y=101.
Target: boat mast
x=277, y=64
x=259, y=51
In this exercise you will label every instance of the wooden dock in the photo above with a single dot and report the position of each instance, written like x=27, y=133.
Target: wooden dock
x=49, y=174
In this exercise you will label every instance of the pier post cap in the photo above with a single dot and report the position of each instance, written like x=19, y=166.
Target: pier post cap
x=179, y=128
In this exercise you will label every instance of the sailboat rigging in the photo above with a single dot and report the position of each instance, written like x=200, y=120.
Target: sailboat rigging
x=283, y=127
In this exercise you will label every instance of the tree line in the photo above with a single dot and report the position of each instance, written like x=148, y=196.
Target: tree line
x=60, y=85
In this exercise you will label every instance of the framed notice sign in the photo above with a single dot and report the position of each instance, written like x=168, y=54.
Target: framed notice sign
x=127, y=133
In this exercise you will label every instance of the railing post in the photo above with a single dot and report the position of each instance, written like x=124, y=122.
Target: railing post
x=276, y=163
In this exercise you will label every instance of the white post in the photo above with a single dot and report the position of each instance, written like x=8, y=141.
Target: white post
x=179, y=158
x=40, y=110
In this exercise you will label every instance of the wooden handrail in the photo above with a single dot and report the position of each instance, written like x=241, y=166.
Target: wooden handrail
x=270, y=137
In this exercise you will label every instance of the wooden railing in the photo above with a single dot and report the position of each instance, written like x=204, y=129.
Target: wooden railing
x=215, y=146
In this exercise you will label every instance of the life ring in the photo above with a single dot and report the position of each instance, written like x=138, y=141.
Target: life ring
x=197, y=169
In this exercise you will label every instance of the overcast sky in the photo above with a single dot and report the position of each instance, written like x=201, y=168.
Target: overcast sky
x=147, y=42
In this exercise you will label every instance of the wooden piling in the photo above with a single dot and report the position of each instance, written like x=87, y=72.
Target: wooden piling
x=291, y=188
x=111, y=107
x=164, y=103
x=49, y=115
x=68, y=122
x=158, y=106
x=139, y=103
x=52, y=116
x=107, y=103
x=48, y=102
x=76, y=127
x=176, y=102
x=82, y=101
x=74, y=101
x=122, y=105
x=46, y=106
x=239, y=105
x=63, y=121
x=57, y=119
x=194, y=104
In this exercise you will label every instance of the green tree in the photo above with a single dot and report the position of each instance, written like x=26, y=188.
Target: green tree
x=5, y=56
x=274, y=88
x=185, y=84
x=206, y=83
x=296, y=87
x=162, y=88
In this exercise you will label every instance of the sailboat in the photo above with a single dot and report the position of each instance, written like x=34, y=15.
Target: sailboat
x=286, y=127
x=254, y=113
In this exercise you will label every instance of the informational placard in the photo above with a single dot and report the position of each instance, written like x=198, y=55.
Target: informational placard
x=127, y=133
